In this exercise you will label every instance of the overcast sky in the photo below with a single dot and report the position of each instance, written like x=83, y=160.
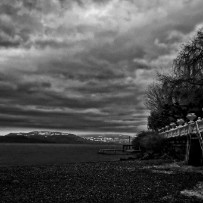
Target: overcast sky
x=85, y=64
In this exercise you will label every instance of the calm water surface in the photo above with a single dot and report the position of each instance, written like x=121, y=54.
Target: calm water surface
x=41, y=154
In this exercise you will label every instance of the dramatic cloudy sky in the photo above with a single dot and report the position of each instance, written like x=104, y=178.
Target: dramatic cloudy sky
x=85, y=64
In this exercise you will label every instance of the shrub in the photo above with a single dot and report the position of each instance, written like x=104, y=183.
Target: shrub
x=148, y=142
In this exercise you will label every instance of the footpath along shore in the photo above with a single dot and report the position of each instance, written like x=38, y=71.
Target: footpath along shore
x=118, y=181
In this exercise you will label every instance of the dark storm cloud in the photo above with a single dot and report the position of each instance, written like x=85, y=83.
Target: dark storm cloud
x=17, y=25
x=86, y=64
x=16, y=116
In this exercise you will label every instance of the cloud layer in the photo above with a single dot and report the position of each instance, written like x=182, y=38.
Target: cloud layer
x=85, y=64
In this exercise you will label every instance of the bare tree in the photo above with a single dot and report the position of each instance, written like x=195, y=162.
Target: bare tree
x=183, y=88
x=154, y=97
x=188, y=66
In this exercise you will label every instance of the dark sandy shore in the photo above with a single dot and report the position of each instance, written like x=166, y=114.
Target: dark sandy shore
x=120, y=181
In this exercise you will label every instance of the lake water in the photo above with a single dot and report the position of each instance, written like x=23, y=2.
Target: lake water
x=45, y=154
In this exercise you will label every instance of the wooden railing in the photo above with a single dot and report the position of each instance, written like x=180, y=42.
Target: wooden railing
x=193, y=130
x=191, y=127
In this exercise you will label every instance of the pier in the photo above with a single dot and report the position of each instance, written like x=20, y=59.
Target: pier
x=187, y=136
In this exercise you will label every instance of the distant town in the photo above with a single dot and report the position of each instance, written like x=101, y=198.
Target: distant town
x=120, y=139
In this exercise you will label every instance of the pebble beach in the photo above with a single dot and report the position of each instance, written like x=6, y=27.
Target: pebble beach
x=116, y=181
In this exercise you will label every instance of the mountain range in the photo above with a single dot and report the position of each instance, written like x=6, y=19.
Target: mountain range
x=43, y=137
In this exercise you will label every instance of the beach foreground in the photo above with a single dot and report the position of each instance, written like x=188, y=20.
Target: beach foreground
x=117, y=181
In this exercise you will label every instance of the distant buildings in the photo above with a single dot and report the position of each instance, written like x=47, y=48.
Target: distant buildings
x=46, y=133
x=120, y=140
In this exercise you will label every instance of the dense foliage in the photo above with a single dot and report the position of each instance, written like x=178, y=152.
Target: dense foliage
x=181, y=92
x=148, y=141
